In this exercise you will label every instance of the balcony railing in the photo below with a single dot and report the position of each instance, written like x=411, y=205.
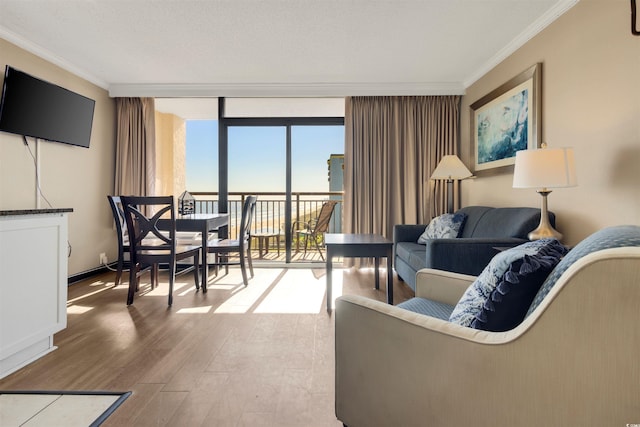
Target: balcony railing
x=270, y=209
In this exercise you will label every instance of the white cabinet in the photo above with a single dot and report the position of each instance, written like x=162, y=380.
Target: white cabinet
x=33, y=284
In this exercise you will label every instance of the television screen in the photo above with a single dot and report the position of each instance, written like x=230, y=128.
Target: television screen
x=33, y=107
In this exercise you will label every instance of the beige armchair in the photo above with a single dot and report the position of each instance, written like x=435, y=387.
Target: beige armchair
x=574, y=361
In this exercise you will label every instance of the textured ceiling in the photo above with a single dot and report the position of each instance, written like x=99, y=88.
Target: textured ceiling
x=276, y=47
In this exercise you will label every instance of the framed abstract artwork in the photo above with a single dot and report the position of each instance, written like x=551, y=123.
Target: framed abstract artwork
x=505, y=121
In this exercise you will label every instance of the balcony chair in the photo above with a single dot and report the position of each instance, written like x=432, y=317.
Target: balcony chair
x=151, y=247
x=315, y=227
x=242, y=245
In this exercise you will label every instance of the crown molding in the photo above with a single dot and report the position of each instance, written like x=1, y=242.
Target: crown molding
x=289, y=90
x=45, y=54
x=313, y=89
x=530, y=32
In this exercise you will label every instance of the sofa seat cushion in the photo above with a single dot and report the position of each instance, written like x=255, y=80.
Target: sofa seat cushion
x=499, y=298
x=447, y=226
x=427, y=307
x=413, y=254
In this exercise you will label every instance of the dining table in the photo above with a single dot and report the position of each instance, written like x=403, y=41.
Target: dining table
x=203, y=223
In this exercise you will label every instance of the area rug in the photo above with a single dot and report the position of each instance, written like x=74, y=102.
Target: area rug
x=53, y=408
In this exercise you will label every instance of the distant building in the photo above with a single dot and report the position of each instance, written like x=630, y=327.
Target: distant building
x=336, y=180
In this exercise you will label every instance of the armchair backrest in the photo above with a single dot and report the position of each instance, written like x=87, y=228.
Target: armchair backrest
x=611, y=237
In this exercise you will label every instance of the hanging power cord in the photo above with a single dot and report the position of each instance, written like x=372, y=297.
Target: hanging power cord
x=35, y=164
x=38, y=188
x=105, y=264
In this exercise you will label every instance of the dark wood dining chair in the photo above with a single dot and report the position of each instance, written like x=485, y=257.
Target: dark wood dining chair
x=315, y=227
x=242, y=245
x=123, y=238
x=151, y=247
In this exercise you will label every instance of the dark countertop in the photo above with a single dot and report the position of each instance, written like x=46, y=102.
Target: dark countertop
x=34, y=211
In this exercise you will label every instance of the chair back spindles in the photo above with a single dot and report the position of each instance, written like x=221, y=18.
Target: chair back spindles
x=241, y=245
x=149, y=246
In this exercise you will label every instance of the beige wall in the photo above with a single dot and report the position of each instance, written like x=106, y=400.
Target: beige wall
x=590, y=101
x=171, y=140
x=71, y=177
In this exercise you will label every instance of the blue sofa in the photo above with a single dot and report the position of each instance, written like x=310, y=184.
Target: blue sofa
x=486, y=231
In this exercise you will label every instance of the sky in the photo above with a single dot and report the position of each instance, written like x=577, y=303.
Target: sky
x=257, y=157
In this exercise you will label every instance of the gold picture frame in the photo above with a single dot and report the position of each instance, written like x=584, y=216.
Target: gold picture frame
x=506, y=120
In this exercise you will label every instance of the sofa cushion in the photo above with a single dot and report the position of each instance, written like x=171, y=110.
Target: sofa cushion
x=447, y=226
x=412, y=253
x=500, y=296
x=611, y=237
x=427, y=307
x=484, y=222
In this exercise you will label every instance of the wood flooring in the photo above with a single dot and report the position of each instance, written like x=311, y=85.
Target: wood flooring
x=256, y=356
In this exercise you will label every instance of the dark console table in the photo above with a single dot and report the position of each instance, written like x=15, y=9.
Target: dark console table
x=359, y=246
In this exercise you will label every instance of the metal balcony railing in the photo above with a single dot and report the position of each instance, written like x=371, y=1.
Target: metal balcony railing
x=270, y=209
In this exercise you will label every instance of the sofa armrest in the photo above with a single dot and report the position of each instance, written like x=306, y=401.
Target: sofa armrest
x=465, y=255
x=407, y=232
x=442, y=286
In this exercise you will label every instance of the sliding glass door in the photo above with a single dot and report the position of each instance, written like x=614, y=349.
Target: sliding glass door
x=257, y=165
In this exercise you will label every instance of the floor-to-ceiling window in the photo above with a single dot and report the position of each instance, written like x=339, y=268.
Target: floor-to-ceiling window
x=288, y=151
x=281, y=150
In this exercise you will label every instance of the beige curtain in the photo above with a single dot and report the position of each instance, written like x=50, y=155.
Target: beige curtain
x=135, y=147
x=392, y=146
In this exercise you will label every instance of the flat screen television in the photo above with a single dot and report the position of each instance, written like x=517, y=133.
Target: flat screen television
x=36, y=108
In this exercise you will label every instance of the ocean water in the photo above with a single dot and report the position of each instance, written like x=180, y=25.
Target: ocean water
x=270, y=213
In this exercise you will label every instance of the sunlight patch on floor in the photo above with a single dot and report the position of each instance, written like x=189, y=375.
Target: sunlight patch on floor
x=274, y=290
x=195, y=310
x=71, y=301
x=163, y=288
x=78, y=309
x=246, y=297
x=221, y=287
x=297, y=292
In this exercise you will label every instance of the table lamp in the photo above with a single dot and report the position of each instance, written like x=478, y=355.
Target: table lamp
x=544, y=168
x=450, y=168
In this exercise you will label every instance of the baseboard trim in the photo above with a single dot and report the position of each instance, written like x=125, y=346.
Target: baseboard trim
x=86, y=274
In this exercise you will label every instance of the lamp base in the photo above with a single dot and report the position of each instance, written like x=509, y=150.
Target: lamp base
x=449, y=196
x=545, y=230
x=545, y=233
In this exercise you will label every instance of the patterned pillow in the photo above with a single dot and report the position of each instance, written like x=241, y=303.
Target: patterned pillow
x=501, y=295
x=447, y=226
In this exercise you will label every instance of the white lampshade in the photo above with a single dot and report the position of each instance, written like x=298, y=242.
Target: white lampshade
x=545, y=168
x=451, y=167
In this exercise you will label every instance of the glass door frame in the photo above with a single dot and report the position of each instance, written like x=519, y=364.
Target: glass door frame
x=223, y=156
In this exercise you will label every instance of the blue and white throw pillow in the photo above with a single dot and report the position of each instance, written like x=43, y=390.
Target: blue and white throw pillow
x=447, y=226
x=499, y=298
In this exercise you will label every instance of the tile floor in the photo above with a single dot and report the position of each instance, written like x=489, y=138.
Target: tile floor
x=53, y=410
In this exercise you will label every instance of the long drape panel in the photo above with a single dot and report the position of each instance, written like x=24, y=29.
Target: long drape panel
x=392, y=146
x=135, y=147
